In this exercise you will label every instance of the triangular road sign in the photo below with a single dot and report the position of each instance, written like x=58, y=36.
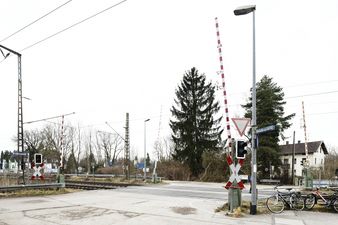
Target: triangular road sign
x=241, y=124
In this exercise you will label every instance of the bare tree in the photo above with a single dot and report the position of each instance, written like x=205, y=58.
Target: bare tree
x=331, y=164
x=110, y=144
x=75, y=149
x=34, y=142
x=163, y=148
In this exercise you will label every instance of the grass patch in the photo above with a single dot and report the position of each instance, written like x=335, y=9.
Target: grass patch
x=244, y=209
x=36, y=192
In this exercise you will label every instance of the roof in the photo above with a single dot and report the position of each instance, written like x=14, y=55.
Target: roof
x=300, y=148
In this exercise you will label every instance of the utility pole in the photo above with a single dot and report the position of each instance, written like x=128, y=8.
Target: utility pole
x=305, y=136
x=20, y=112
x=61, y=144
x=145, y=151
x=157, y=143
x=308, y=178
x=293, y=159
x=127, y=149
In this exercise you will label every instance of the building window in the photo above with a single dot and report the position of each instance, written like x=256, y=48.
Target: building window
x=303, y=160
x=321, y=161
x=295, y=162
x=286, y=161
x=315, y=161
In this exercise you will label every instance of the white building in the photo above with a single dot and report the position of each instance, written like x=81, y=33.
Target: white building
x=316, y=154
x=11, y=166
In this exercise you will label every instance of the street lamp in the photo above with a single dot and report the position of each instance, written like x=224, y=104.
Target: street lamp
x=145, y=151
x=243, y=10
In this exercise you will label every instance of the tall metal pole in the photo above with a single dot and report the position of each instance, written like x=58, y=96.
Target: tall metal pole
x=20, y=114
x=293, y=158
x=20, y=119
x=253, y=207
x=305, y=136
x=145, y=150
x=126, y=149
x=306, y=163
x=61, y=145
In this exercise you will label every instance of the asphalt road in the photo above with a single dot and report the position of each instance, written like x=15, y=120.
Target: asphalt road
x=197, y=190
x=172, y=203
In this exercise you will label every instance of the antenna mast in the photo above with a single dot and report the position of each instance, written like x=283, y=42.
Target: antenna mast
x=219, y=46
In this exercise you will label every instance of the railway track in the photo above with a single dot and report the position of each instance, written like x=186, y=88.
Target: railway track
x=93, y=185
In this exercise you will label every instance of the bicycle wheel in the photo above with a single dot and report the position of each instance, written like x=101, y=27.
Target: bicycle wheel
x=335, y=205
x=297, y=202
x=275, y=204
x=310, y=201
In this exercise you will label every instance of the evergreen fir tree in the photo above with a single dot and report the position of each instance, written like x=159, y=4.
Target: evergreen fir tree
x=270, y=111
x=194, y=129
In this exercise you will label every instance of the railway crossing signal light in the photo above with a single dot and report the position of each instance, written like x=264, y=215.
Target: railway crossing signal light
x=38, y=158
x=241, y=149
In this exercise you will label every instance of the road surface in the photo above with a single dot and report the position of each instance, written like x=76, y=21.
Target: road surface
x=172, y=203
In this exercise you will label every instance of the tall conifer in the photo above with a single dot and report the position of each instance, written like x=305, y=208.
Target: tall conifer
x=270, y=111
x=194, y=129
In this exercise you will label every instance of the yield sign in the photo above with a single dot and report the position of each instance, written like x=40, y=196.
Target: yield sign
x=241, y=124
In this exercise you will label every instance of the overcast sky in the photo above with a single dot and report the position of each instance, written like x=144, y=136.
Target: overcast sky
x=131, y=58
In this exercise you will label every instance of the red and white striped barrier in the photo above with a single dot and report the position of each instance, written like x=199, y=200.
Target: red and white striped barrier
x=219, y=46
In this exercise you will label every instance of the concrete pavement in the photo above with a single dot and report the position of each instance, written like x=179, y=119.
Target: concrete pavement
x=132, y=207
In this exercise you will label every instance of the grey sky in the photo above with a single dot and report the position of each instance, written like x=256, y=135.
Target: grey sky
x=132, y=57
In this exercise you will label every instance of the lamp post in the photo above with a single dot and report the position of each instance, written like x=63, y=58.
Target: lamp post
x=20, y=113
x=145, y=151
x=243, y=10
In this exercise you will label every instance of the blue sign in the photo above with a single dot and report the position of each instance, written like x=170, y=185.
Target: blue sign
x=140, y=165
x=16, y=153
x=266, y=129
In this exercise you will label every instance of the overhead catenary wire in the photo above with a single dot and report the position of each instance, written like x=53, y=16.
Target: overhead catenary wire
x=73, y=25
x=313, y=94
x=35, y=21
x=49, y=118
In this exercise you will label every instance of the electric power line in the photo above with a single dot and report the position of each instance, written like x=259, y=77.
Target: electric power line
x=314, y=114
x=31, y=23
x=319, y=93
x=73, y=25
x=312, y=83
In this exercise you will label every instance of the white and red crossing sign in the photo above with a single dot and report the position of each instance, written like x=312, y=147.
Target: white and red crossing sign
x=241, y=124
x=37, y=171
x=234, y=173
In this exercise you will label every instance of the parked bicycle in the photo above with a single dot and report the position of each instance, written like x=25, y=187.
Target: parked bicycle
x=320, y=198
x=277, y=202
